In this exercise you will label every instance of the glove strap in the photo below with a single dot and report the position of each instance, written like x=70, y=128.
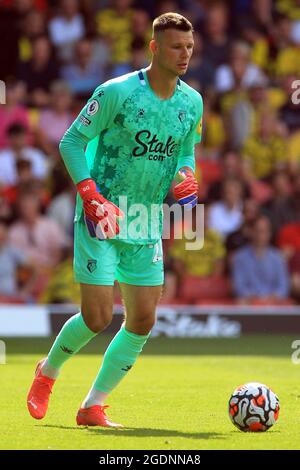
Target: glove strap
x=86, y=187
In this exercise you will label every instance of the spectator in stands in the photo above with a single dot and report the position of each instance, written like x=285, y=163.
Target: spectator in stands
x=114, y=23
x=205, y=263
x=243, y=235
x=259, y=271
x=84, y=74
x=214, y=133
x=13, y=112
x=17, y=150
x=240, y=70
x=216, y=40
x=39, y=237
x=62, y=207
x=24, y=176
x=138, y=60
x=55, y=119
x=11, y=259
x=287, y=60
x=61, y=287
x=226, y=216
x=25, y=181
x=266, y=151
x=67, y=28
x=39, y=72
x=200, y=67
x=231, y=167
x=141, y=26
x=243, y=119
x=280, y=209
x=33, y=26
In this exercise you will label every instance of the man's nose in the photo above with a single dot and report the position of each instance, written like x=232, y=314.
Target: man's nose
x=185, y=54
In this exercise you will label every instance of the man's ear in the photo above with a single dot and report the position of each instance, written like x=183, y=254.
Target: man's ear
x=153, y=46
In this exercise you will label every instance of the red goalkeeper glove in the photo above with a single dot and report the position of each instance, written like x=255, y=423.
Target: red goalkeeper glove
x=100, y=215
x=186, y=192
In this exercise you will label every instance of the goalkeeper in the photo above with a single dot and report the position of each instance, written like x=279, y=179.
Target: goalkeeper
x=135, y=134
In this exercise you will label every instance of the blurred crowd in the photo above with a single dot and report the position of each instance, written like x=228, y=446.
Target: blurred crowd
x=246, y=64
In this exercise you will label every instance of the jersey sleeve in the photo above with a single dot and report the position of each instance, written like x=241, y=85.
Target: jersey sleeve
x=187, y=152
x=96, y=115
x=99, y=112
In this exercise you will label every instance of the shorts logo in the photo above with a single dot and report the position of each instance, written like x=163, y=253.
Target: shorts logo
x=84, y=120
x=92, y=265
x=92, y=108
x=181, y=116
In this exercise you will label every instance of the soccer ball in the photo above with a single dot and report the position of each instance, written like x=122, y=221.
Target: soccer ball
x=253, y=407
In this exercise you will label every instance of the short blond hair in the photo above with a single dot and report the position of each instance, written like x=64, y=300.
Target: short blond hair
x=171, y=21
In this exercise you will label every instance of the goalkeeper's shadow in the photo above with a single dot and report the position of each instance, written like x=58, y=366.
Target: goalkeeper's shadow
x=139, y=432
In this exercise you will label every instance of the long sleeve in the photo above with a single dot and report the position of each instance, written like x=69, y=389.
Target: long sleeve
x=72, y=151
x=282, y=287
x=187, y=152
x=96, y=116
x=239, y=276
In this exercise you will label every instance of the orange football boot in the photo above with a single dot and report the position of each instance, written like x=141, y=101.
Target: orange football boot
x=39, y=393
x=95, y=416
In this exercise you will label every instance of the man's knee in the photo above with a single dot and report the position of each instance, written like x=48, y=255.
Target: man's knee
x=141, y=325
x=97, y=318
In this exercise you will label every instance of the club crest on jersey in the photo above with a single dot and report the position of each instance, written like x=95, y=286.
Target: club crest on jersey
x=92, y=108
x=181, y=116
x=92, y=265
x=141, y=113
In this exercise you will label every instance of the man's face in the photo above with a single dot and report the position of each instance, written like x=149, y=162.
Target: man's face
x=173, y=50
x=262, y=232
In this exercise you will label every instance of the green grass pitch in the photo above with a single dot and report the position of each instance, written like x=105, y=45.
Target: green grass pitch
x=175, y=397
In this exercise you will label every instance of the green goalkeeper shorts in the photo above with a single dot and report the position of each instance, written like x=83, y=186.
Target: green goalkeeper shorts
x=101, y=262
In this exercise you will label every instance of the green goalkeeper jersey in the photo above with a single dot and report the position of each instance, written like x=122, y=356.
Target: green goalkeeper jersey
x=137, y=143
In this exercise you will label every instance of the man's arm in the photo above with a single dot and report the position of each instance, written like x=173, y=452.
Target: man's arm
x=95, y=116
x=186, y=189
x=72, y=148
x=240, y=276
x=100, y=214
x=282, y=288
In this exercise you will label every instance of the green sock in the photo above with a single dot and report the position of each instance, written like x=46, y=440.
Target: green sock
x=71, y=338
x=119, y=357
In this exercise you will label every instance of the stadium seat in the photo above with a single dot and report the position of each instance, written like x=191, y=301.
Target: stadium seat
x=211, y=289
x=210, y=171
x=4, y=299
x=207, y=172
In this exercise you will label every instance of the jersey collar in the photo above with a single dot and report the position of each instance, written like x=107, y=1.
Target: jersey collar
x=144, y=83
